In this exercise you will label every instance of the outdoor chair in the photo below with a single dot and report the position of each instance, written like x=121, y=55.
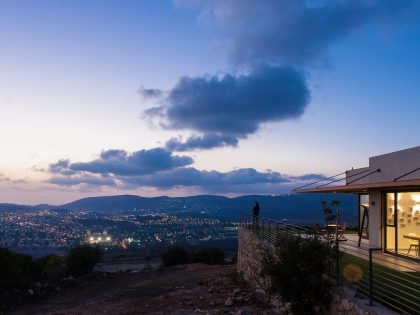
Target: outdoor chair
x=341, y=231
x=413, y=243
x=342, y=228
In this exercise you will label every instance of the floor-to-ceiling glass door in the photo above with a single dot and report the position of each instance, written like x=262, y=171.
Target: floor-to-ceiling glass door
x=402, y=223
x=390, y=222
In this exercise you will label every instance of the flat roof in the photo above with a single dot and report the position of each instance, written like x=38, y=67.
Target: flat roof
x=360, y=188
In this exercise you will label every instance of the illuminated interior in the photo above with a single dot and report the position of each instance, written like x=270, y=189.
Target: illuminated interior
x=402, y=223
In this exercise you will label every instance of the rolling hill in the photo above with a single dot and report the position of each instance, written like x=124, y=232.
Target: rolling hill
x=296, y=208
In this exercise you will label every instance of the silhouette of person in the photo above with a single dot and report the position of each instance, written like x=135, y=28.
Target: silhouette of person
x=256, y=212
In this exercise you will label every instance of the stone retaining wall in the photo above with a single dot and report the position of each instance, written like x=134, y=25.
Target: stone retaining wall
x=251, y=253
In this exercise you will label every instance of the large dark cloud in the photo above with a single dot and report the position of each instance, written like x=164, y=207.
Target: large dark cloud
x=273, y=38
x=232, y=107
x=295, y=31
x=120, y=162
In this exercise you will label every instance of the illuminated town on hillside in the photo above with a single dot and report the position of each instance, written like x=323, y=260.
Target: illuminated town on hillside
x=61, y=229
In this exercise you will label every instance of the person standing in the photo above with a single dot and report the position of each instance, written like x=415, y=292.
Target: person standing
x=256, y=212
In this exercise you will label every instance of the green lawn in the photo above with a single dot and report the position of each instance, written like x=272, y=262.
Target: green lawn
x=396, y=289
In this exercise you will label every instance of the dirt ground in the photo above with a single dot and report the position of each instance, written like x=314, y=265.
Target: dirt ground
x=191, y=289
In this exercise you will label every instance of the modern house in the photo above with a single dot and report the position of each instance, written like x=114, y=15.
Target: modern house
x=389, y=200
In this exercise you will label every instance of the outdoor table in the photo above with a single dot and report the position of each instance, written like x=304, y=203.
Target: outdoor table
x=416, y=238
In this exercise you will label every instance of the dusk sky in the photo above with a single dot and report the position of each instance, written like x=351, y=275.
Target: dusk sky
x=200, y=97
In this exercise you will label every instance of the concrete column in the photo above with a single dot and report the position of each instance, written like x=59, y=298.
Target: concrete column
x=375, y=219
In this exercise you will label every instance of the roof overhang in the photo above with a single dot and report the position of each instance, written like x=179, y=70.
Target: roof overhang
x=361, y=188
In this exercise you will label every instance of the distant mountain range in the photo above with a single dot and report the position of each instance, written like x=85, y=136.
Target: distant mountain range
x=296, y=208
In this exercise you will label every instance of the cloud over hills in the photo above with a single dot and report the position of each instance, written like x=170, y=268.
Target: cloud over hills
x=117, y=168
x=120, y=162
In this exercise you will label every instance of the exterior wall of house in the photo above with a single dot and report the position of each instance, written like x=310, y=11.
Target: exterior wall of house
x=392, y=165
x=375, y=219
x=395, y=164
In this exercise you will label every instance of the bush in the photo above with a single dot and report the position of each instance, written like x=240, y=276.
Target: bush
x=213, y=256
x=51, y=267
x=301, y=272
x=175, y=255
x=81, y=259
x=17, y=270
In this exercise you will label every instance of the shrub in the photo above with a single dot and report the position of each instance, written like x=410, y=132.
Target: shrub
x=213, y=256
x=51, y=267
x=17, y=270
x=81, y=259
x=301, y=272
x=175, y=255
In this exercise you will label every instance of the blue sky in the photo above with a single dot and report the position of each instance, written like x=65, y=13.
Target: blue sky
x=189, y=97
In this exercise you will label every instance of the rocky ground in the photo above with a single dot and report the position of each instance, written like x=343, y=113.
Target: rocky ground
x=190, y=289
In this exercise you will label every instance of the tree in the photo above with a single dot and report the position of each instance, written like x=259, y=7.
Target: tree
x=331, y=216
x=81, y=259
x=17, y=270
x=51, y=267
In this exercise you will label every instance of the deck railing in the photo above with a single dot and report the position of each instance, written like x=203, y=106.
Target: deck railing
x=381, y=278
x=272, y=231
x=373, y=275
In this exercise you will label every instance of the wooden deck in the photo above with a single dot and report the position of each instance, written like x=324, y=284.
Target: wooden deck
x=387, y=260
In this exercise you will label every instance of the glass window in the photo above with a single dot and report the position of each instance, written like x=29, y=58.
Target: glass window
x=390, y=209
x=408, y=223
x=402, y=220
x=390, y=222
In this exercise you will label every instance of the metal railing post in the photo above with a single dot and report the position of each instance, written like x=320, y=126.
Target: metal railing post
x=337, y=259
x=370, y=278
x=371, y=250
x=262, y=229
